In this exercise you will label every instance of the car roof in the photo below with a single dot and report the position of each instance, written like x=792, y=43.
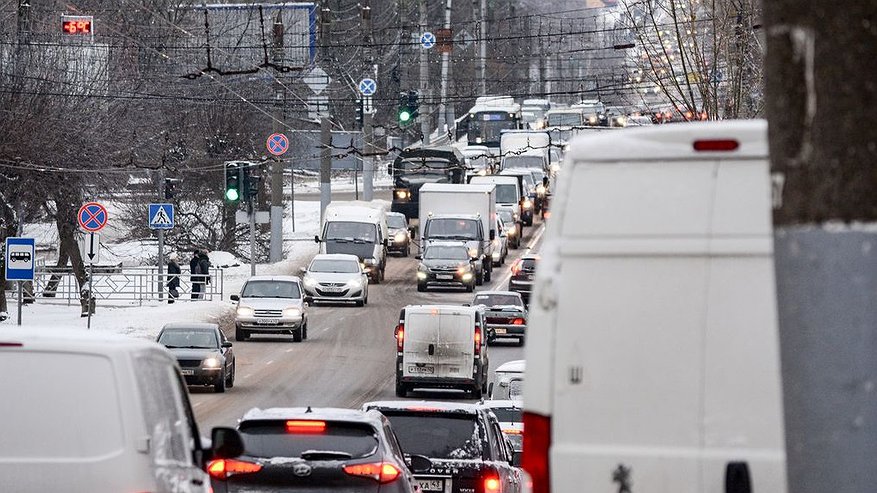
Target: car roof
x=73, y=339
x=396, y=214
x=502, y=404
x=517, y=366
x=457, y=308
x=446, y=243
x=423, y=406
x=190, y=325
x=510, y=293
x=531, y=256
x=336, y=256
x=275, y=278
x=317, y=413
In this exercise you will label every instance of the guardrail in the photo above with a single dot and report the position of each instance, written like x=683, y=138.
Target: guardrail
x=118, y=283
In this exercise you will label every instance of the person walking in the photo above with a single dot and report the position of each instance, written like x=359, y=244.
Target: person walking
x=173, y=283
x=204, y=268
x=195, y=271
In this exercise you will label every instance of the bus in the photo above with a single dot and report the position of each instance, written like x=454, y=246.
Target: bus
x=488, y=118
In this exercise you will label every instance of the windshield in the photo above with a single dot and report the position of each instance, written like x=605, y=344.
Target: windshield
x=188, y=338
x=446, y=253
x=507, y=194
x=426, y=166
x=523, y=162
x=565, y=120
x=338, y=441
x=592, y=109
x=438, y=437
x=498, y=299
x=350, y=231
x=487, y=132
x=452, y=229
x=271, y=289
x=334, y=266
x=396, y=222
x=508, y=414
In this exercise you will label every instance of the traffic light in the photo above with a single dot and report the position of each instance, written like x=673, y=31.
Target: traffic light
x=414, y=104
x=409, y=107
x=170, y=187
x=360, y=109
x=233, y=182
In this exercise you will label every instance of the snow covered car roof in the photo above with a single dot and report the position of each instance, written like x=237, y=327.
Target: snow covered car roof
x=516, y=366
x=501, y=403
x=422, y=406
x=74, y=340
x=191, y=325
x=335, y=256
x=318, y=414
x=274, y=278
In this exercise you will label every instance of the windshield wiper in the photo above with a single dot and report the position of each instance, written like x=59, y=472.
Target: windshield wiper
x=325, y=454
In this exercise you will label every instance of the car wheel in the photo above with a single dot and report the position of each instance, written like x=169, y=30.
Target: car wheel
x=520, y=341
x=304, y=332
x=401, y=389
x=488, y=275
x=407, y=251
x=491, y=337
x=421, y=287
x=219, y=386
x=476, y=392
x=470, y=288
x=241, y=334
x=297, y=334
x=479, y=278
x=230, y=382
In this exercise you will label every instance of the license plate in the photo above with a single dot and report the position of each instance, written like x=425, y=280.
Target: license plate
x=270, y=321
x=187, y=372
x=332, y=290
x=444, y=277
x=500, y=331
x=432, y=484
x=426, y=369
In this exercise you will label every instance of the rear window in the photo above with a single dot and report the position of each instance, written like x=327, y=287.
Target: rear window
x=508, y=414
x=58, y=406
x=529, y=263
x=438, y=436
x=273, y=439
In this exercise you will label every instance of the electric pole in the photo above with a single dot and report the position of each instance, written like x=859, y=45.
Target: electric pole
x=482, y=47
x=325, y=124
x=446, y=56
x=276, y=247
x=424, y=77
x=368, y=163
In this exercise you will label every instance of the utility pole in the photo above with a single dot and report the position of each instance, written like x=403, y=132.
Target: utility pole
x=823, y=168
x=368, y=163
x=424, y=78
x=446, y=57
x=325, y=124
x=162, y=197
x=482, y=47
x=275, y=252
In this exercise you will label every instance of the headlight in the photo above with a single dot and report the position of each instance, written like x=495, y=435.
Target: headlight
x=245, y=311
x=527, y=204
x=400, y=237
x=211, y=363
x=495, y=255
x=593, y=119
x=292, y=313
x=513, y=230
x=421, y=275
x=370, y=261
x=473, y=252
x=467, y=276
x=310, y=282
x=354, y=283
x=482, y=172
x=516, y=216
x=403, y=194
x=540, y=189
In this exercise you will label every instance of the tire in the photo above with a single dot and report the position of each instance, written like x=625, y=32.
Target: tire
x=219, y=386
x=297, y=334
x=421, y=287
x=240, y=334
x=407, y=251
x=476, y=392
x=470, y=288
x=488, y=274
x=230, y=382
x=479, y=278
x=401, y=389
x=520, y=341
x=304, y=332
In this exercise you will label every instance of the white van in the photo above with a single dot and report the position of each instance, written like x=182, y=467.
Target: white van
x=357, y=230
x=653, y=355
x=441, y=346
x=94, y=413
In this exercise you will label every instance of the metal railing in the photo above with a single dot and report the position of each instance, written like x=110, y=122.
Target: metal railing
x=116, y=283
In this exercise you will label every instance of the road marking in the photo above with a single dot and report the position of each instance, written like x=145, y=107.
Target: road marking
x=269, y=362
x=245, y=376
x=197, y=404
x=289, y=350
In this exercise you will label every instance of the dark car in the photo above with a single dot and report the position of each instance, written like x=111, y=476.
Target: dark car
x=522, y=276
x=504, y=313
x=315, y=450
x=446, y=264
x=398, y=234
x=203, y=352
x=464, y=442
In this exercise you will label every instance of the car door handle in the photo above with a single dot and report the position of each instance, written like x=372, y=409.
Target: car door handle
x=197, y=481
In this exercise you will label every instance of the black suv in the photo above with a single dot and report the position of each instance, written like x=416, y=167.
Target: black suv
x=464, y=443
x=522, y=276
x=295, y=449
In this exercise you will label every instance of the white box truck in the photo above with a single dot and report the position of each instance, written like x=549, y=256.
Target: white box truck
x=360, y=229
x=653, y=355
x=525, y=149
x=459, y=212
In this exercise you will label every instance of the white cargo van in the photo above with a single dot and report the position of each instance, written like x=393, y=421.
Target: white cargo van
x=653, y=355
x=357, y=230
x=509, y=192
x=441, y=346
x=82, y=412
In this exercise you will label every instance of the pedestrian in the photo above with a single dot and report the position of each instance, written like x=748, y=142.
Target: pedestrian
x=195, y=270
x=204, y=268
x=173, y=283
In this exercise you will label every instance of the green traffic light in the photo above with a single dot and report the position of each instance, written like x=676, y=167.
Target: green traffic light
x=404, y=116
x=232, y=194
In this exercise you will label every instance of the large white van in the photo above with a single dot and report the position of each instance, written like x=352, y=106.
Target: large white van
x=86, y=413
x=359, y=230
x=441, y=346
x=653, y=354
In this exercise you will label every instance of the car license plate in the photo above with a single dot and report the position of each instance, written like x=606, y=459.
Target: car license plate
x=500, y=331
x=432, y=484
x=444, y=277
x=425, y=369
x=187, y=372
x=332, y=290
x=267, y=321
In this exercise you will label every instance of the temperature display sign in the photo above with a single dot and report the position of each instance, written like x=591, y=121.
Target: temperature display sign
x=77, y=24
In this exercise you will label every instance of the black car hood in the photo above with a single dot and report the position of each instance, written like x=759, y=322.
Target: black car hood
x=361, y=250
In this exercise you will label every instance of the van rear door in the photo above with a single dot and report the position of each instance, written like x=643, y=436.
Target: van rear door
x=438, y=344
x=456, y=348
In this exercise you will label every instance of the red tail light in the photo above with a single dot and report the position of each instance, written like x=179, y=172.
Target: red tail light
x=492, y=485
x=518, y=321
x=716, y=145
x=537, y=444
x=516, y=267
x=226, y=468
x=305, y=426
x=10, y=344
x=382, y=472
x=400, y=337
x=477, y=340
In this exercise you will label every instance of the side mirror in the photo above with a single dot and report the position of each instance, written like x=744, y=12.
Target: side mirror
x=308, y=299
x=235, y=297
x=316, y=238
x=303, y=270
x=492, y=234
x=418, y=463
x=490, y=390
x=418, y=257
x=226, y=344
x=226, y=443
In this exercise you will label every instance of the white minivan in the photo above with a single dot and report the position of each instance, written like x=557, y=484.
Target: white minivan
x=653, y=348
x=441, y=346
x=87, y=413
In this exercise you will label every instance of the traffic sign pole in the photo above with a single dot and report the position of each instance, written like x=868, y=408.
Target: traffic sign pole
x=20, y=300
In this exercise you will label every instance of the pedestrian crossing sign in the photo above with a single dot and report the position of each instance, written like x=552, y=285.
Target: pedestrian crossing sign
x=161, y=216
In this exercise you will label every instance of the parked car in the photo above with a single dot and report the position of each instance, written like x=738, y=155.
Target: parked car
x=504, y=314
x=510, y=415
x=446, y=264
x=307, y=450
x=523, y=270
x=203, y=352
x=441, y=346
x=97, y=413
x=399, y=233
x=335, y=277
x=463, y=441
x=508, y=381
x=271, y=305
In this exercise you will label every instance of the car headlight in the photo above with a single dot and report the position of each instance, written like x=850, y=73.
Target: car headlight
x=473, y=252
x=310, y=282
x=540, y=189
x=245, y=311
x=421, y=275
x=495, y=255
x=516, y=216
x=467, y=276
x=528, y=204
x=403, y=194
x=211, y=363
x=292, y=313
x=354, y=283
x=512, y=231
x=482, y=172
x=370, y=261
x=400, y=237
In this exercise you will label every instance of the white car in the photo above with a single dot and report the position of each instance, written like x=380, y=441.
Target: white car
x=510, y=415
x=509, y=381
x=500, y=244
x=271, y=305
x=336, y=277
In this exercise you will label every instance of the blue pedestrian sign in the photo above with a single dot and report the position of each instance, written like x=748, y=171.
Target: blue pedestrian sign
x=368, y=87
x=161, y=216
x=427, y=40
x=19, y=259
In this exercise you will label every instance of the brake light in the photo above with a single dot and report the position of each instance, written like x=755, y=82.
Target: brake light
x=400, y=337
x=382, y=472
x=492, y=485
x=516, y=267
x=537, y=444
x=305, y=426
x=721, y=145
x=513, y=431
x=226, y=468
x=477, y=338
x=10, y=344
x=518, y=321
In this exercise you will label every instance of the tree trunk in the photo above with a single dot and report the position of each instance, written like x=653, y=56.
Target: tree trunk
x=821, y=94
x=65, y=219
